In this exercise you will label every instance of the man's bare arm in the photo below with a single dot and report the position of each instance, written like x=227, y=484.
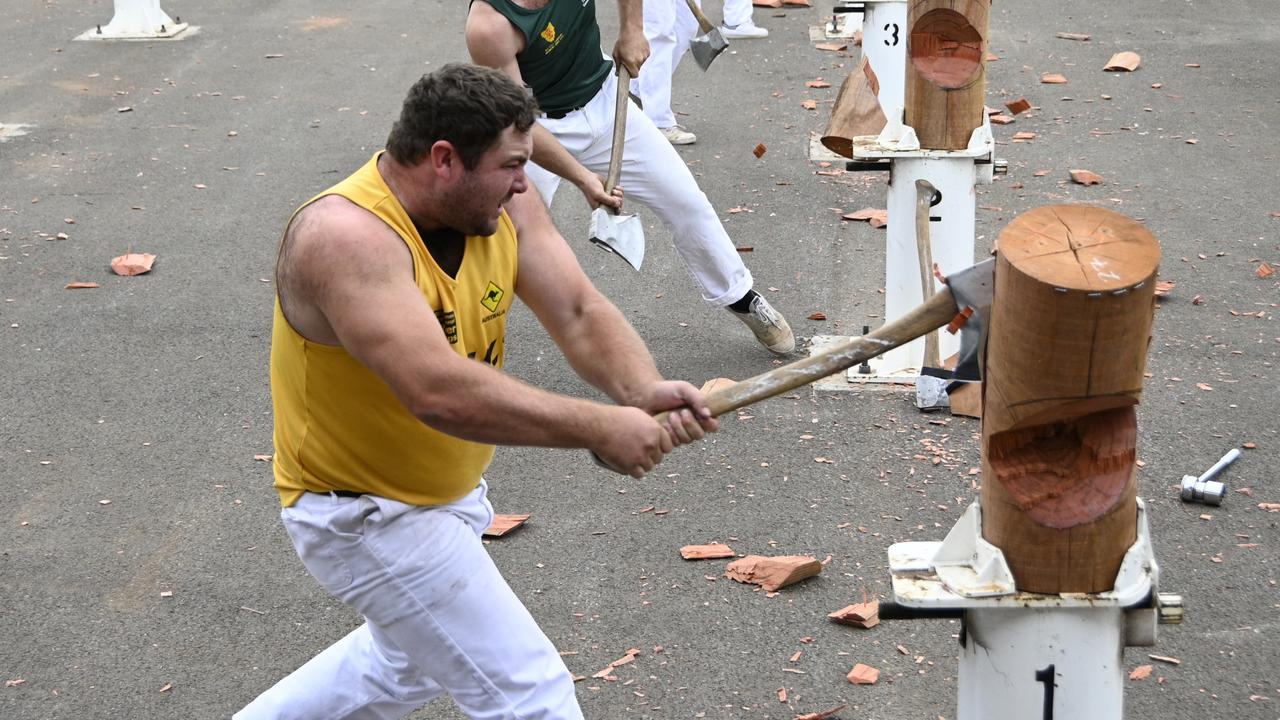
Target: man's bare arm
x=632, y=47
x=595, y=338
x=357, y=274
x=494, y=42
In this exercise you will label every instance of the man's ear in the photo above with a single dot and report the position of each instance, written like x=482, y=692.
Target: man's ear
x=445, y=160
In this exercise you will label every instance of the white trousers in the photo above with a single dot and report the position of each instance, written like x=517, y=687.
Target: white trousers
x=737, y=12
x=653, y=174
x=439, y=618
x=668, y=25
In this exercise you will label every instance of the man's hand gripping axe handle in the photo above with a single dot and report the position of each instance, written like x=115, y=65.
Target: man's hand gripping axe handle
x=964, y=303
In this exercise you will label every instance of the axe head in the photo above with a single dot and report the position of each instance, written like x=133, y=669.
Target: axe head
x=622, y=235
x=973, y=287
x=707, y=46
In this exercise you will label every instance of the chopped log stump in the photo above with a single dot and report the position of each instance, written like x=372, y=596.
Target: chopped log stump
x=706, y=552
x=861, y=615
x=772, y=573
x=946, y=70
x=1066, y=351
x=503, y=524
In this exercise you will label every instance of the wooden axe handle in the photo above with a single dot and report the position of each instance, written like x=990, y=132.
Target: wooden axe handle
x=619, y=129
x=924, y=246
x=703, y=22
x=926, y=317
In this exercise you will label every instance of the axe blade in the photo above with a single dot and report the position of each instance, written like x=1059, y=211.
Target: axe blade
x=622, y=235
x=973, y=287
x=706, y=47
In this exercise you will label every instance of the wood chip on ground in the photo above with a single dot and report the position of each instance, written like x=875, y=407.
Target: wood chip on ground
x=863, y=675
x=710, y=551
x=773, y=573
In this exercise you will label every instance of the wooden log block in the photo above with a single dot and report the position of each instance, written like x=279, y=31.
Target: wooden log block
x=857, y=112
x=1066, y=352
x=706, y=552
x=772, y=573
x=946, y=70
x=862, y=615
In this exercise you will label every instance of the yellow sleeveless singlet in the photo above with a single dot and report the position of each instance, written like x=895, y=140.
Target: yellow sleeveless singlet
x=338, y=426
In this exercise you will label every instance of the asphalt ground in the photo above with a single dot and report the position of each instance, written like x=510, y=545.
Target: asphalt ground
x=181, y=597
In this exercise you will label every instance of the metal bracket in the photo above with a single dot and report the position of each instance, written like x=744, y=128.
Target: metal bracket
x=965, y=571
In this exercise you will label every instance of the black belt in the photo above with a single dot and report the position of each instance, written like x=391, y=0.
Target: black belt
x=558, y=114
x=344, y=493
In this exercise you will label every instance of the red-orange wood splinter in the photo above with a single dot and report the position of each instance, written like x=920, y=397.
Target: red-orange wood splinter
x=1066, y=351
x=772, y=573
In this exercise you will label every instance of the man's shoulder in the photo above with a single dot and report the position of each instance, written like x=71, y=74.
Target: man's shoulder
x=333, y=226
x=329, y=212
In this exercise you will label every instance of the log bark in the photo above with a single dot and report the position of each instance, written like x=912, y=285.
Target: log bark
x=946, y=70
x=857, y=112
x=1066, y=352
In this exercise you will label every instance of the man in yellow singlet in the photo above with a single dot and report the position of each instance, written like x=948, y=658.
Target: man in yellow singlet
x=393, y=289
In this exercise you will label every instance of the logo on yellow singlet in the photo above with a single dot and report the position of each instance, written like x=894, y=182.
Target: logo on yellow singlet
x=492, y=296
x=549, y=33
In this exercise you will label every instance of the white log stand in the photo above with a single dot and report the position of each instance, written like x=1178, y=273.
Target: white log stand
x=138, y=20
x=1028, y=655
x=952, y=228
x=954, y=172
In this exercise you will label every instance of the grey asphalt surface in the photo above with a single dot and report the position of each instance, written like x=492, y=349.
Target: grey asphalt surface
x=181, y=597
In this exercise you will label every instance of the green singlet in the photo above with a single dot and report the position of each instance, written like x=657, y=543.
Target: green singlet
x=561, y=61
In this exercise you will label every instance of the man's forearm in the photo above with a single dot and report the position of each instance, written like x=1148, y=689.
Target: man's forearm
x=631, y=15
x=549, y=154
x=607, y=352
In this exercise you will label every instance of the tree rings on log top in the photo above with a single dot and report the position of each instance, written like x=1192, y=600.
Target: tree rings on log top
x=946, y=49
x=1078, y=247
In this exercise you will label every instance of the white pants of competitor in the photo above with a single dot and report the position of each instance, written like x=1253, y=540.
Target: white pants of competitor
x=669, y=25
x=653, y=174
x=439, y=618
x=737, y=12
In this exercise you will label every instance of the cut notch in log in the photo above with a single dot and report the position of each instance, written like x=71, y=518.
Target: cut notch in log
x=1066, y=352
x=946, y=70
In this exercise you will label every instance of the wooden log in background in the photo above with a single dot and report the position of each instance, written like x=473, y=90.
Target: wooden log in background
x=1066, y=352
x=946, y=70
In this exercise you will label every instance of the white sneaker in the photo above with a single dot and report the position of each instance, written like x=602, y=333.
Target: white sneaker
x=746, y=31
x=677, y=135
x=770, y=328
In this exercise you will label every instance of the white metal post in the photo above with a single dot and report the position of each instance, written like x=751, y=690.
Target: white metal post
x=1031, y=655
x=1061, y=663
x=136, y=20
x=951, y=233
x=884, y=45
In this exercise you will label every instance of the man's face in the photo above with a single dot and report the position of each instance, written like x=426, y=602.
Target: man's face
x=478, y=197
